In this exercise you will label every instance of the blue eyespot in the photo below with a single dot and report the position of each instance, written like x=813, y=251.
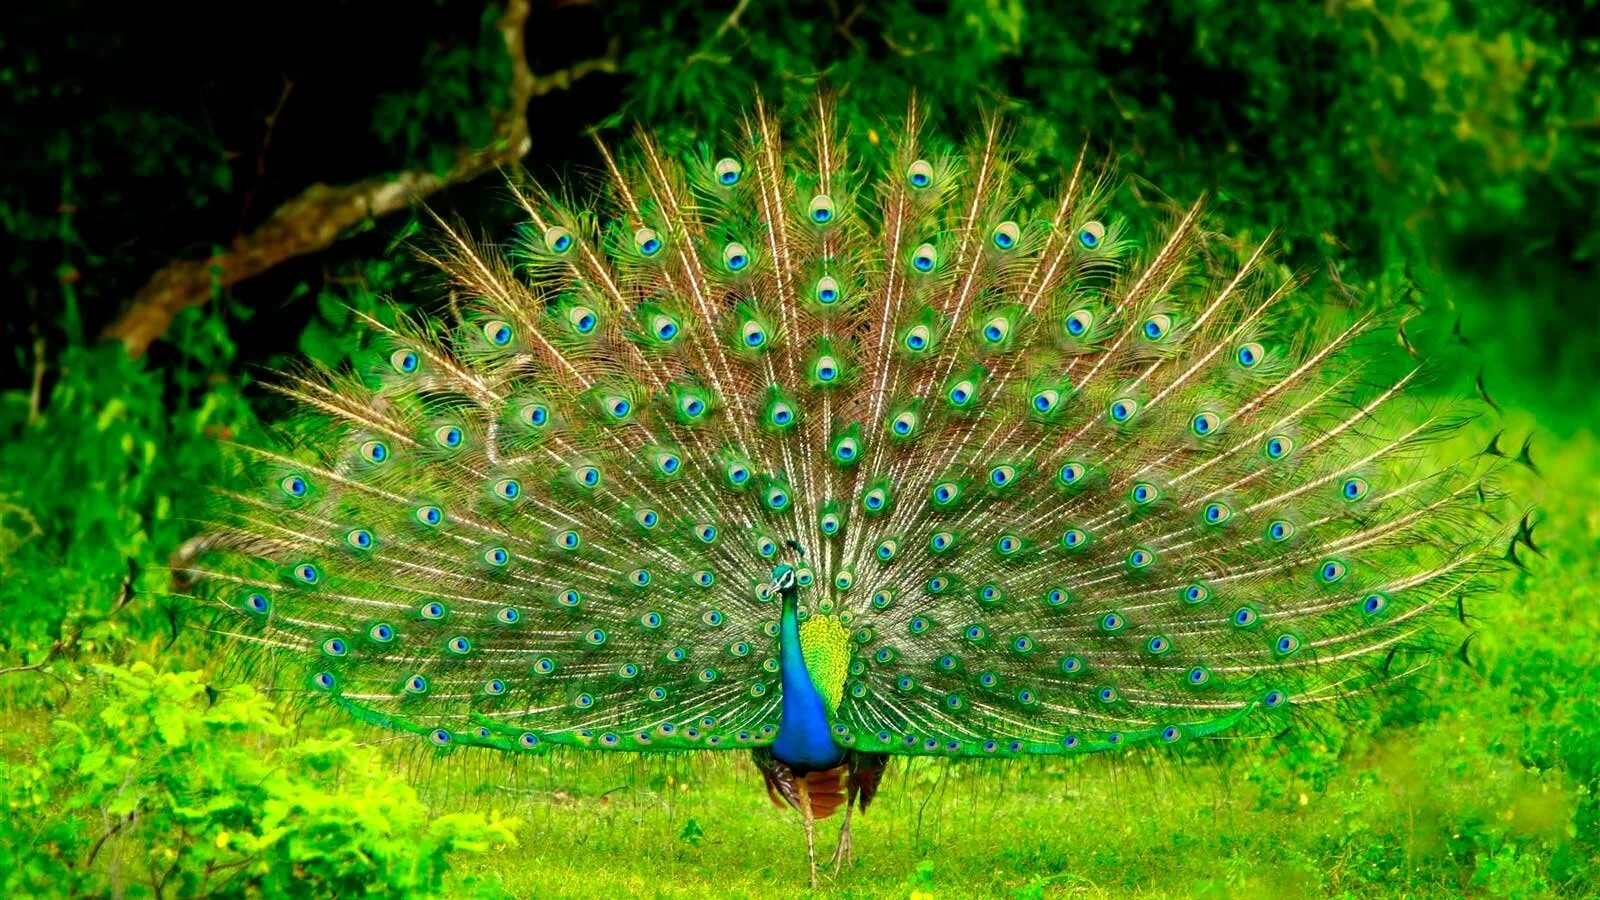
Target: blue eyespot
x=382, y=632
x=1091, y=235
x=324, y=680
x=433, y=610
x=307, y=573
x=498, y=333
x=359, y=538
x=416, y=684
x=558, y=239
x=294, y=486
x=1275, y=699
x=256, y=603
x=1122, y=410
x=375, y=451
x=920, y=174
x=508, y=615
x=1078, y=323
x=404, y=361
x=728, y=171
x=1248, y=355
x=1107, y=694
x=1071, y=473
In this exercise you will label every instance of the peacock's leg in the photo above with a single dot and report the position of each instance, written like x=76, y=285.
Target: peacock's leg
x=842, y=854
x=810, y=820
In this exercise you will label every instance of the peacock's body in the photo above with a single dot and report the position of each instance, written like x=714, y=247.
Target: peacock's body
x=832, y=462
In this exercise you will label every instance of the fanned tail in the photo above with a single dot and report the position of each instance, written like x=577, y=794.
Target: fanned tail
x=1062, y=491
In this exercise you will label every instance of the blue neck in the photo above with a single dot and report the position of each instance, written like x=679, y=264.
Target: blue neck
x=803, y=736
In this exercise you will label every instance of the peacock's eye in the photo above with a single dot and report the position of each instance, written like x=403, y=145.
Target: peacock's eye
x=924, y=258
x=920, y=174
x=728, y=171
x=827, y=290
x=497, y=332
x=1006, y=235
x=557, y=239
x=404, y=361
x=754, y=335
x=1091, y=235
x=821, y=210
x=1156, y=327
x=1079, y=323
x=735, y=257
x=582, y=318
x=918, y=338
x=996, y=330
x=648, y=242
x=1249, y=355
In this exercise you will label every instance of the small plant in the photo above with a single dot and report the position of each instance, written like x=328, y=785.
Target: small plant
x=170, y=788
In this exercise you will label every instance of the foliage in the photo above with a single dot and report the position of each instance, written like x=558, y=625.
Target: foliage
x=171, y=788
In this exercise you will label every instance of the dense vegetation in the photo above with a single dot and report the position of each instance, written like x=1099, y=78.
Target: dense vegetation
x=1445, y=151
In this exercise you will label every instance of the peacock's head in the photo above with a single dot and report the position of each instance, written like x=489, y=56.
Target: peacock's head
x=783, y=580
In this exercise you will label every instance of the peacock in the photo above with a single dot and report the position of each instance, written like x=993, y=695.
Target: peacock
x=831, y=447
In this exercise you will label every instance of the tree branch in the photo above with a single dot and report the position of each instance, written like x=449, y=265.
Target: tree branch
x=321, y=213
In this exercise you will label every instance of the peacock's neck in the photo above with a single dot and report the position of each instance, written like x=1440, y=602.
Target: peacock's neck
x=804, y=740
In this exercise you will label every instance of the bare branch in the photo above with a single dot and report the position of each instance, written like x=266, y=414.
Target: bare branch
x=321, y=213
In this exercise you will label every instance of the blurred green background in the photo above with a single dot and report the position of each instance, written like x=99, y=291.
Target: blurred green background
x=1445, y=152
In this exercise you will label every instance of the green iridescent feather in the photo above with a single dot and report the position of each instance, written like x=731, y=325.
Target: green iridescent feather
x=1059, y=490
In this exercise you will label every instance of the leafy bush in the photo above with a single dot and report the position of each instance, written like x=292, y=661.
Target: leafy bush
x=169, y=788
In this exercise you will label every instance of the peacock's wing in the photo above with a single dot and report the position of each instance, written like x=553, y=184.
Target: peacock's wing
x=1061, y=499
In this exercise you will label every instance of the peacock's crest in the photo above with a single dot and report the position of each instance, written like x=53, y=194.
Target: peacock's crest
x=1062, y=490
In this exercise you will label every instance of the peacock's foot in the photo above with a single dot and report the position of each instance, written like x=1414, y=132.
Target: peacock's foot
x=843, y=854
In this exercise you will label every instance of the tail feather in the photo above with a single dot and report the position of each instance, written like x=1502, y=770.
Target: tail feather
x=1065, y=493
